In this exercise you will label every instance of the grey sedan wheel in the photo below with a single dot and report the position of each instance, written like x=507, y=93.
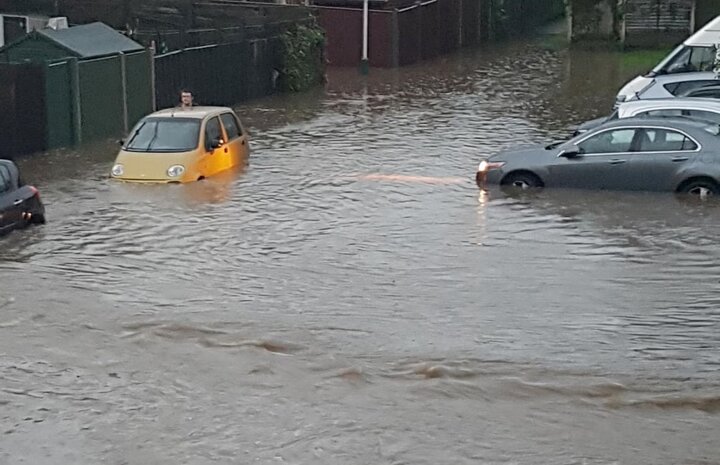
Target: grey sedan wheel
x=701, y=188
x=521, y=181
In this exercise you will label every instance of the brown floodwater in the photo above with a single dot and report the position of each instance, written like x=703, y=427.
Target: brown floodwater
x=350, y=297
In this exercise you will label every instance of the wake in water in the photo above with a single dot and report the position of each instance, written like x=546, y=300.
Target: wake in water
x=404, y=178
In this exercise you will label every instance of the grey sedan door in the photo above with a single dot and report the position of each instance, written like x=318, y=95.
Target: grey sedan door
x=660, y=153
x=601, y=165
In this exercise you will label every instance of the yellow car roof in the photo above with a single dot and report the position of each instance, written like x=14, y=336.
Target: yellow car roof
x=192, y=112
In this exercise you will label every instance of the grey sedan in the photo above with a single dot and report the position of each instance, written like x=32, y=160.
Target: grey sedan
x=655, y=154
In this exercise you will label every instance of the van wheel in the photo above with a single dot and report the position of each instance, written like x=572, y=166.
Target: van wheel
x=200, y=178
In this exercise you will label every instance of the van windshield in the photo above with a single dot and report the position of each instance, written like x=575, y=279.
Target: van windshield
x=164, y=135
x=687, y=58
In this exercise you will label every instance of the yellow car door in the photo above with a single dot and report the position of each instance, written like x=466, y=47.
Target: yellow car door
x=237, y=140
x=215, y=157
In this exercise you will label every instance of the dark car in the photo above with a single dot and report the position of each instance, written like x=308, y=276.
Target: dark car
x=654, y=154
x=20, y=203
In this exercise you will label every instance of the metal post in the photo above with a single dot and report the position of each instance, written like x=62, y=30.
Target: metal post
x=123, y=77
x=395, y=38
x=364, y=62
x=76, y=99
x=151, y=57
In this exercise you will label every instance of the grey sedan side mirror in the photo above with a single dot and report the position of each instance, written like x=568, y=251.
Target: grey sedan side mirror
x=571, y=151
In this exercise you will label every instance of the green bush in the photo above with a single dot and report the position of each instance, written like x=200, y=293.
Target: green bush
x=304, y=65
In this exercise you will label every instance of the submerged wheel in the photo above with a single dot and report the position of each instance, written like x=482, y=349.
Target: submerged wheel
x=522, y=181
x=701, y=188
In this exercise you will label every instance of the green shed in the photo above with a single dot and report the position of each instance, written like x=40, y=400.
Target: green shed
x=84, y=42
x=95, y=82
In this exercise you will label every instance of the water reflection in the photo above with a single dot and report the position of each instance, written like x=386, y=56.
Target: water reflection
x=350, y=295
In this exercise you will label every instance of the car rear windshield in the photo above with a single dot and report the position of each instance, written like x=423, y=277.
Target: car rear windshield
x=164, y=135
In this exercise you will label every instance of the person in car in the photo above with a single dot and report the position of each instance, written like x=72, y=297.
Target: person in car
x=186, y=99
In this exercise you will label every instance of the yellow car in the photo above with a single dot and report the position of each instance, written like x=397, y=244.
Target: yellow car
x=182, y=145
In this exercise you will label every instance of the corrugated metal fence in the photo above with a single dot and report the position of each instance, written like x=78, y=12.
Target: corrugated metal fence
x=95, y=99
x=220, y=74
x=53, y=105
x=427, y=29
x=22, y=109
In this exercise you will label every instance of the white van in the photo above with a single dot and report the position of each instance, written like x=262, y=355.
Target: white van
x=697, y=53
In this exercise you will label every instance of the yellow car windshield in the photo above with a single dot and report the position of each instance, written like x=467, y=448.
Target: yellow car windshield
x=164, y=135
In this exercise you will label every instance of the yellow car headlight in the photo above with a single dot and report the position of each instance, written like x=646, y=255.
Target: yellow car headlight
x=175, y=171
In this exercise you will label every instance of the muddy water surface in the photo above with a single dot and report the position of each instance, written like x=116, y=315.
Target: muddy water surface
x=350, y=297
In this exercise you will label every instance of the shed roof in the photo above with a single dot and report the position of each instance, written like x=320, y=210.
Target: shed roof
x=91, y=40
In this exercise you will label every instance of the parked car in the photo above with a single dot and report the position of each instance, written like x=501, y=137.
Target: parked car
x=697, y=108
x=655, y=154
x=20, y=203
x=694, y=55
x=182, y=145
x=668, y=86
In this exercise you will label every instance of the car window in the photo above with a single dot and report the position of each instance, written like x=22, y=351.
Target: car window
x=680, y=62
x=664, y=140
x=213, y=130
x=712, y=92
x=713, y=129
x=702, y=59
x=703, y=115
x=682, y=88
x=231, y=126
x=164, y=135
x=5, y=179
x=667, y=112
x=612, y=141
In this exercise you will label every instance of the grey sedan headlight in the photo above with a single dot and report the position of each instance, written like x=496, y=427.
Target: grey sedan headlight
x=175, y=171
x=486, y=166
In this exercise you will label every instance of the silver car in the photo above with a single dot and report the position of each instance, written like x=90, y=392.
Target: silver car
x=665, y=85
x=655, y=154
x=706, y=109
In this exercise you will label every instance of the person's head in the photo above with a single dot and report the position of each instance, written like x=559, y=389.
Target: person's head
x=186, y=98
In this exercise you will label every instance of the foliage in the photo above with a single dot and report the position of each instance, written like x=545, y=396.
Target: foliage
x=303, y=47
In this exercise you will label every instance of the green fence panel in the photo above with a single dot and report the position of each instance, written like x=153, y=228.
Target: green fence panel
x=101, y=98
x=139, y=87
x=58, y=90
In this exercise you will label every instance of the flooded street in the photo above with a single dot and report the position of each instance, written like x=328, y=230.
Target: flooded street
x=350, y=297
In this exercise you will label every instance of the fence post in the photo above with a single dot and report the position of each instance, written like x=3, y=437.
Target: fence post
x=460, y=10
x=123, y=77
x=76, y=99
x=151, y=58
x=421, y=43
x=395, y=25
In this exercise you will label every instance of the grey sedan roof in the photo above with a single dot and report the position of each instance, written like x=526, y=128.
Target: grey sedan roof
x=701, y=130
x=670, y=121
